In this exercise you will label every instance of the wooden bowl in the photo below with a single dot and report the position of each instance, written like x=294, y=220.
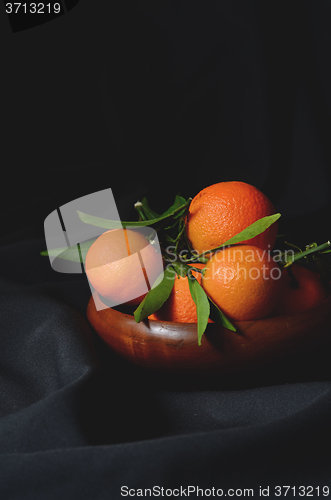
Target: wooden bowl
x=173, y=347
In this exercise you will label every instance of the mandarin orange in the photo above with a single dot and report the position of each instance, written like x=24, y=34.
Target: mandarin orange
x=113, y=266
x=179, y=306
x=243, y=281
x=222, y=210
x=309, y=293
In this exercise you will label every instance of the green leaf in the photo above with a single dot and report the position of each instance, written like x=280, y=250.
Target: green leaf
x=150, y=214
x=110, y=224
x=219, y=317
x=179, y=201
x=156, y=296
x=172, y=224
x=105, y=223
x=202, y=305
x=167, y=238
x=181, y=268
x=54, y=253
x=249, y=232
x=71, y=253
x=215, y=313
x=175, y=222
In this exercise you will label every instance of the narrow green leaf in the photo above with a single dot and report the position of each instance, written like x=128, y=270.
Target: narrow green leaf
x=219, y=317
x=156, y=296
x=46, y=253
x=105, y=223
x=172, y=224
x=181, y=268
x=70, y=253
x=254, y=229
x=249, y=232
x=202, y=305
x=179, y=201
x=169, y=239
x=150, y=214
x=110, y=224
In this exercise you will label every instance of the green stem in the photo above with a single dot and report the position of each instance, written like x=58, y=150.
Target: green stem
x=139, y=207
x=300, y=255
x=293, y=246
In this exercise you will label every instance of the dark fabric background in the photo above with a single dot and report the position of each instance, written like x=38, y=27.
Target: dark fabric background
x=155, y=98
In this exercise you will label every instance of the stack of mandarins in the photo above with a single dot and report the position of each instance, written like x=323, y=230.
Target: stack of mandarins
x=242, y=280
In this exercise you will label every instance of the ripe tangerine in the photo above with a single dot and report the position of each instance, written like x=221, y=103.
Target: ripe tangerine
x=179, y=307
x=222, y=210
x=309, y=293
x=114, y=268
x=243, y=281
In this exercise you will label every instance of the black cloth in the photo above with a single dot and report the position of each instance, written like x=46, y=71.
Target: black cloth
x=155, y=99
x=77, y=422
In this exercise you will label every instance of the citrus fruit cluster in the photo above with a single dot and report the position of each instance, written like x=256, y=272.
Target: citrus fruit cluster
x=220, y=259
x=243, y=280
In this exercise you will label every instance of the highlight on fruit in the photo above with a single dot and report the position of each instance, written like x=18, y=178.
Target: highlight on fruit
x=217, y=257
